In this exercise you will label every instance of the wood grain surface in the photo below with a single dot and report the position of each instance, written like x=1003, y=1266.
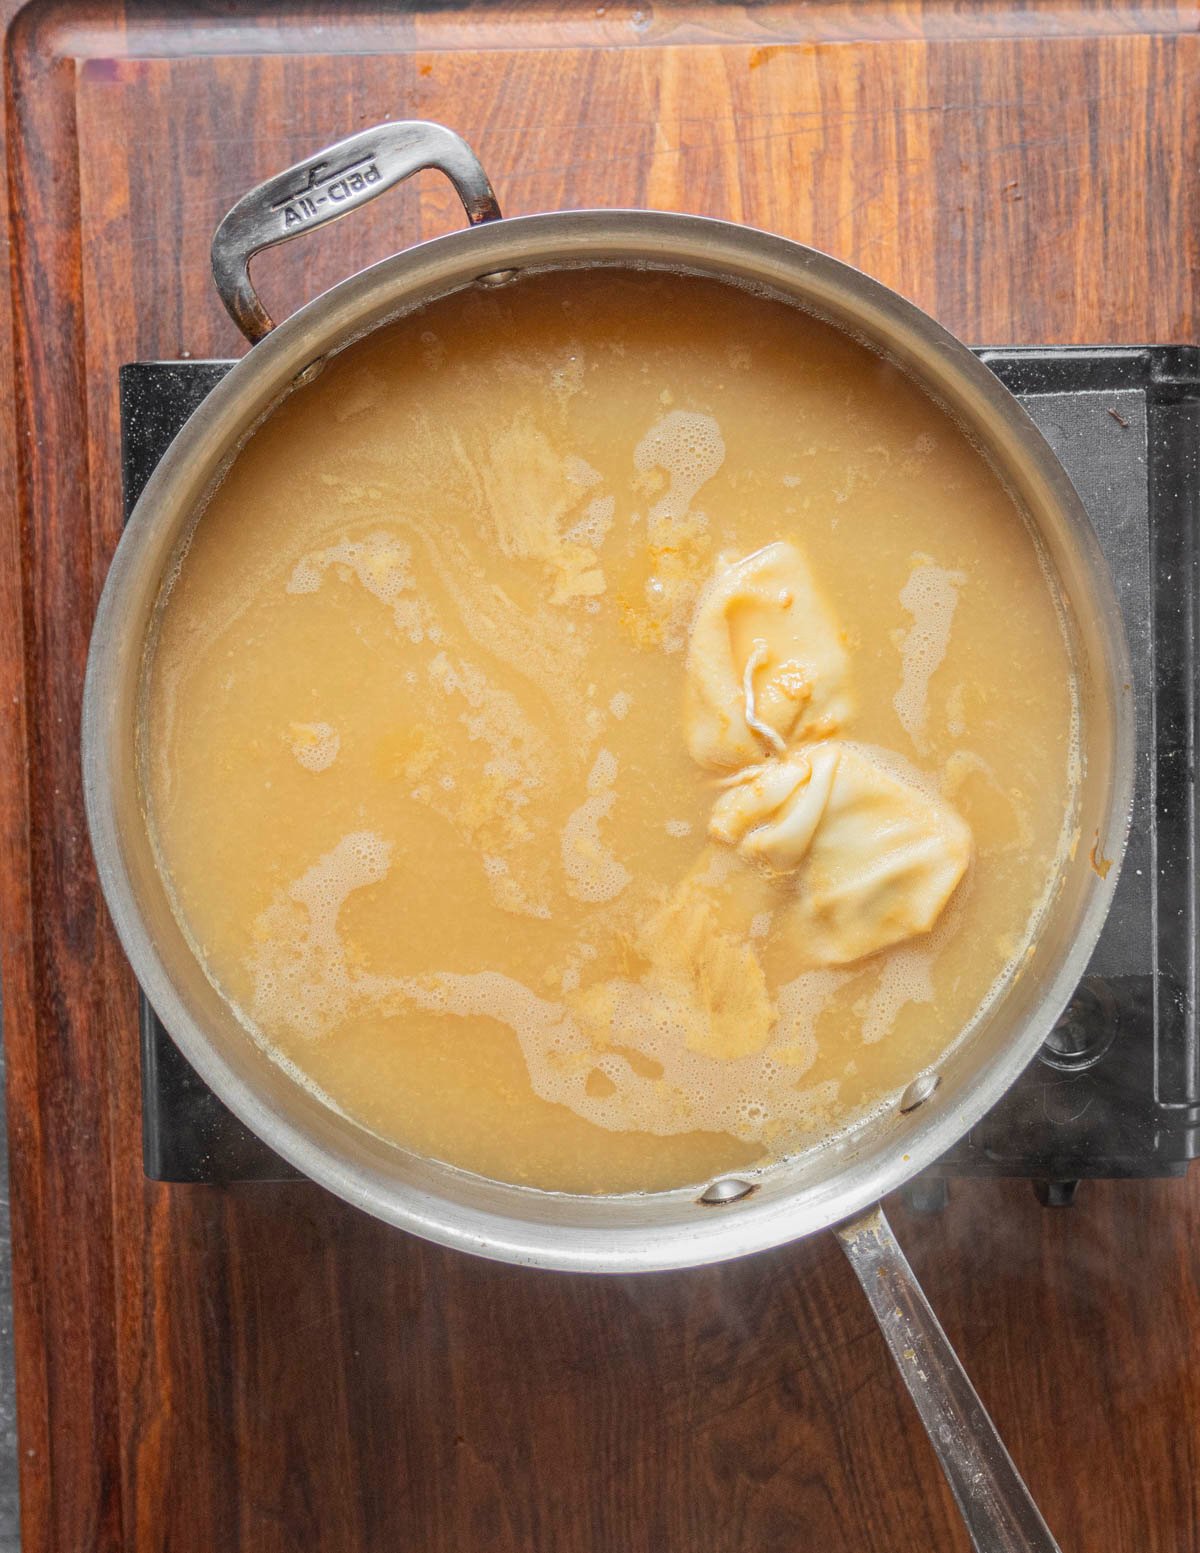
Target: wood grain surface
x=261, y=1367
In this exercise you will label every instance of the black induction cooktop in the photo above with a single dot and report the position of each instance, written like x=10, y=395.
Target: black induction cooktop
x=1115, y=1091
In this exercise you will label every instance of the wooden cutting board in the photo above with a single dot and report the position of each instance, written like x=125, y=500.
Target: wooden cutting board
x=261, y=1367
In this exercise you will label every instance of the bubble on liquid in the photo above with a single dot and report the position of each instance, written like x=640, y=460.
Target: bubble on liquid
x=507, y=892
x=594, y=523
x=906, y=977
x=657, y=1083
x=315, y=745
x=660, y=1085
x=594, y=873
x=305, y=578
x=931, y=597
x=689, y=447
x=301, y=977
x=620, y=704
x=679, y=828
x=634, y=1033
x=956, y=719
x=566, y=379
x=800, y=1003
x=382, y=563
x=603, y=773
x=580, y=472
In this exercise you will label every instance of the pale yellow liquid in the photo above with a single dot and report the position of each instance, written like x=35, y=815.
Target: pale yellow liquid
x=385, y=628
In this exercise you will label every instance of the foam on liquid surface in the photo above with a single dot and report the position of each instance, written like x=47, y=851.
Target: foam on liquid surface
x=415, y=746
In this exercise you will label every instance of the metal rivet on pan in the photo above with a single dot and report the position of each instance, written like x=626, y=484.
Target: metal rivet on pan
x=726, y=1191
x=497, y=277
x=918, y=1092
x=313, y=370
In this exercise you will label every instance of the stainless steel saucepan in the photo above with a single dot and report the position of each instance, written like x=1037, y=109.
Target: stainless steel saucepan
x=839, y=1185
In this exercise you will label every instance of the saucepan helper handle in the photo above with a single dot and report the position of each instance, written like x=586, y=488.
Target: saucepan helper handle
x=999, y=1513
x=330, y=184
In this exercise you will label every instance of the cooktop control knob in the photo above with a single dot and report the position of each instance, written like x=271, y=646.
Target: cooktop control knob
x=1085, y=1029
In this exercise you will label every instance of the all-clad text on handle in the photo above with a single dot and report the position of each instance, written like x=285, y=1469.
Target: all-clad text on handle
x=330, y=184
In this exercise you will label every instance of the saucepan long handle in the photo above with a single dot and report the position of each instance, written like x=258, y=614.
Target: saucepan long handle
x=996, y=1506
x=329, y=184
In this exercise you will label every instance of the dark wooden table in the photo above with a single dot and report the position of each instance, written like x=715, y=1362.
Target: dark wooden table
x=262, y=1368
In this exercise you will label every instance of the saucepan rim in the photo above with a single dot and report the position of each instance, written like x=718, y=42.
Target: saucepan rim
x=595, y=1234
